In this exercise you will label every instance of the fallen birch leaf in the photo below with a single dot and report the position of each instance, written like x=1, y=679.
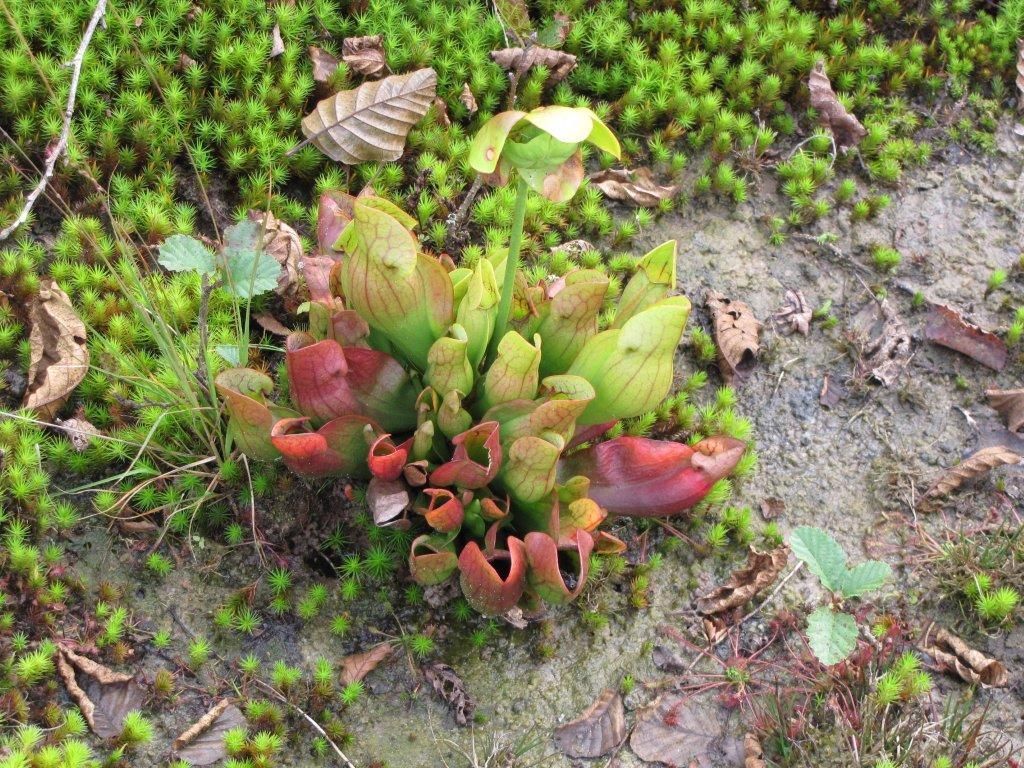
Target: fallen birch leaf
x=356, y=666
x=596, y=732
x=947, y=327
x=386, y=500
x=78, y=431
x=831, y=393
x=324, y=64
x=271, y=324
x=203, y=743
x=365, y=55
x=772, y=507
x=1008, y=403
x=796, y=314
x=277, y=44
x=370, y=123
x=684, y=731
x=886, y=349
x=59, y=357
x=736, y=335
x=636, y=187
x=468, y=99
x=441, y=110
x=449, y=686
x=103, y=695
x=520, y=60
x=753, y=755
x=977, y=464
x=845, y=127
x=744, y=584
x=971, y=666
x=283, y=244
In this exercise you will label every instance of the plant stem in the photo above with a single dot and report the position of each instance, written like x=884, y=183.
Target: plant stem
x=511, y=267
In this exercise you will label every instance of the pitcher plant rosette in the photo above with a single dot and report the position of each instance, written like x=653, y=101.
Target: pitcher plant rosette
x=474, y=403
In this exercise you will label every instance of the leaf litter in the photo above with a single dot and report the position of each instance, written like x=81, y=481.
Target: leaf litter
x=451, y=689
x=737, y=333
x=59, y=357
x=948, y=328
x=103, y=695
x=636, y=187
x=203, y=742
x=599, y=730
x=979, y=463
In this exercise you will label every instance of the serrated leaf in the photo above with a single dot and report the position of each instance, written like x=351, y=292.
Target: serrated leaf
x=832, y=635
x=243, y=236
x=864, y=577
x=822, y=554
x=181, y=253
x=250, y=273
x=370, y=123
x=229, y=352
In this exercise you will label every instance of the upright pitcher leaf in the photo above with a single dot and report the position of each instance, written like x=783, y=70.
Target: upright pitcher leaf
x=370, y=123
x=655, y=276
x=515, y=372
x=569, y=319
x=631, y=367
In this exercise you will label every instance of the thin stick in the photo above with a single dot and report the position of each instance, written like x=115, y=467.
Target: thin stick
x=316, y=726
x=69, y=110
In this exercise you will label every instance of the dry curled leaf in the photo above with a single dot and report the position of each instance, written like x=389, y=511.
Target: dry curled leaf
x=772, y=507
x=356, y=666
x=324, y=64
x=736, y=335
x=744, y=584
x=1008, y=403
x=948, y=328
x=796, y=314
x=284, y=245
x=370, y=123
x=684, y=730
x=59, y=357
x=277, y=44
x=364, y=55
x=885, y=347
x=753, y=754
x=831, y=392
x=271, y=324
x=449, y=686
x=103, y=695
x=971, y=666
x=468, y=99
x=597, y=731
x=636, y=187
x=520, y=60
x=78, y=431
x=977, y=464
x=203, y=743
x=574, y=247
x=845, y=127
x=387, y=500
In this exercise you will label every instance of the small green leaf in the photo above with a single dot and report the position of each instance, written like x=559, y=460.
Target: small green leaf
x=181, y=253
x=832, y=635
x=250, y=273
x=229, y=352
x=864, y=578
x=243, y=236
x=822, y=554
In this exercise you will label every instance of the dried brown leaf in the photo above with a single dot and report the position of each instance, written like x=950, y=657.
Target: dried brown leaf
x=387, y=500
x=370, y=123
x=356, y=666
x=1009, y=403
x=831, y=392
x=968, y=664
x=324, y=64
x=744, y=584
x=574, y=247
x=684, y=730
x=59, y=357
x=449, y=686
x=203, y=743
x=468, y=99
x=887, y=349
x=977, y=464
x=78, y=431
x=364, y=55
x=772, y=507
x=796, y=314
x=597, y=731
x=736, y=335
x=520, y=60
x=271, y=324
x=845, y=127
x=948, y=328
x=103, y=695
x=284, y=245
x=636, y=187
x=753, y=755
x=277, y=44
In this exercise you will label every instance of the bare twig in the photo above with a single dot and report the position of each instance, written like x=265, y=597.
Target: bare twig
x=316, y=726
x=62, y=143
